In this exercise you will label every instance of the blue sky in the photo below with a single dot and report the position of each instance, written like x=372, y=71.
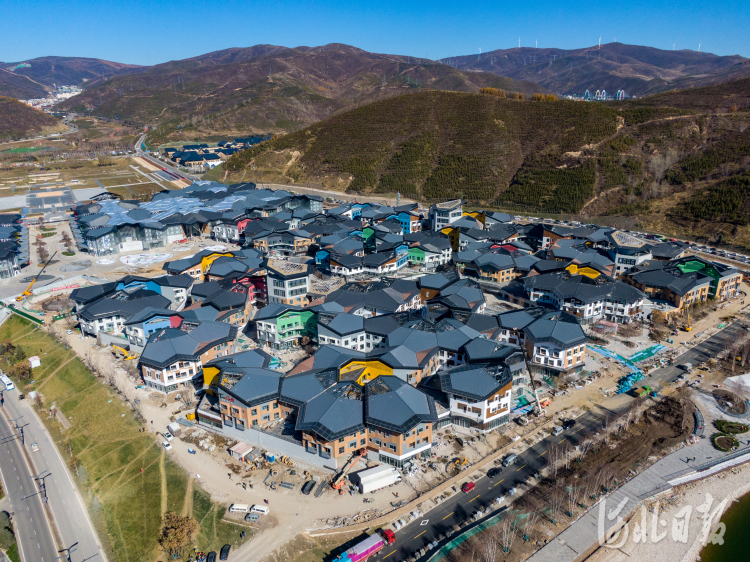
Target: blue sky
x=139, y=32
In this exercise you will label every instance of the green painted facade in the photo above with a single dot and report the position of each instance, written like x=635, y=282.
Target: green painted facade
x=416, y=255
x=297, y=323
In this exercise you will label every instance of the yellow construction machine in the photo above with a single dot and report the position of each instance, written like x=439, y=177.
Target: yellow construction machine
x=124, y=353
x=27, y=292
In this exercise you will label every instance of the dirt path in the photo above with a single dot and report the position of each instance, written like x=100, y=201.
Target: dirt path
x=163, y=473
x=597, y=197
x=187, y=508
x=23, y=335
x=53, y=373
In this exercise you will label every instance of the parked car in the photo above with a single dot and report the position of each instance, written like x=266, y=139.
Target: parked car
x=167, y=445
x=509, y=460
x=468, y=487
x=224, y=553
x=168, y=436
x=211, y=557
x=557, y=430
x=567, y=424
x=491, y=473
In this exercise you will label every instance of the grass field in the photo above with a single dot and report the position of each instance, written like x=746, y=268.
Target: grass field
x=126, y=479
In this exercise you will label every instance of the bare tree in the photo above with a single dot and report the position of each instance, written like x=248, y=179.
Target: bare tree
x=507, y=531
x=489, y=547
x=187, y=396
x=584, y=447
x=573, y=493
x=556, y=498
x=531, y=522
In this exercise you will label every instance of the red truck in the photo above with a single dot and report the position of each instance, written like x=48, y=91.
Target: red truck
x=366, y=548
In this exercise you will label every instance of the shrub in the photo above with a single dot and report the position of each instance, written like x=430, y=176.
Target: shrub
x=724, y=442
x=725, y=426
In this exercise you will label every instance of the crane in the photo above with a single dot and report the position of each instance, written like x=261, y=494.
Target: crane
x=27, y=292
x=338, y=482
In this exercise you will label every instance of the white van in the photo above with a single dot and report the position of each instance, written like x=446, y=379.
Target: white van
x=262, y=509
x=7, y=382
x=239, y=508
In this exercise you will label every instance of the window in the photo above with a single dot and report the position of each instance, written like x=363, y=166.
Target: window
x=276, y=416
x=392, y=447
x=341, y=440
x=352, y=444
x=341, y=450
x=265, y=418
x=254, y=412
x=362, y=442
x=255, y=422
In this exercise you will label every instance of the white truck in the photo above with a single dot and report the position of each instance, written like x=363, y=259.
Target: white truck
x=376, y=478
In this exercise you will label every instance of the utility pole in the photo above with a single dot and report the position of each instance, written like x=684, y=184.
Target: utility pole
x=66, y=557
x=42, y=484
x=19, y=428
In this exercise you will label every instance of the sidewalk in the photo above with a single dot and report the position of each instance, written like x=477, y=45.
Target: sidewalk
x=579, y=539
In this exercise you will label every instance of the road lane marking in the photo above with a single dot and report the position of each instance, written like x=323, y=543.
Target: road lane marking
x=579, y=430
x=420, y=534
x=446, y=517
x=561, y=440
x=524, y=466
x=498, y=483
x=387, y=555
x=544, y=453
x=472, y=499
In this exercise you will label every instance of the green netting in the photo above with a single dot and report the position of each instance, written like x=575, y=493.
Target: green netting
x=465, y=536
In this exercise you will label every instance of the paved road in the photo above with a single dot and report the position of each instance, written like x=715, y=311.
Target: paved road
x=34, y=535
x=156, y=162
x=70, y=517
x=460, y=506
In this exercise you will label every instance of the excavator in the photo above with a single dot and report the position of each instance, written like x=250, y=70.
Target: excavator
x=27, y=292
x=124, y=353
x=338, y=482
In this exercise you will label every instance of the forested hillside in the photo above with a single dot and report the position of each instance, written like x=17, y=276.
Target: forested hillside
x=18, y=120
x=678, y=162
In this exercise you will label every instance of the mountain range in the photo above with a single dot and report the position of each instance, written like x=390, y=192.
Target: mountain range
x=273, y=89
x=34, y=78
x=613, y=66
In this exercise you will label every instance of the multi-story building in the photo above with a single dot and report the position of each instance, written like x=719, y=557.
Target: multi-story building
x=283, y=326
x=586, y=298
x=174, y=358
x=288, y=282
x=685, y=281
x=555, y=344
x=109, y=314
x=479, y=396
x=444, y=214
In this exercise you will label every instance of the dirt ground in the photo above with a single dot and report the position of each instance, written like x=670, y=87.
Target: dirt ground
x=731, y=401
